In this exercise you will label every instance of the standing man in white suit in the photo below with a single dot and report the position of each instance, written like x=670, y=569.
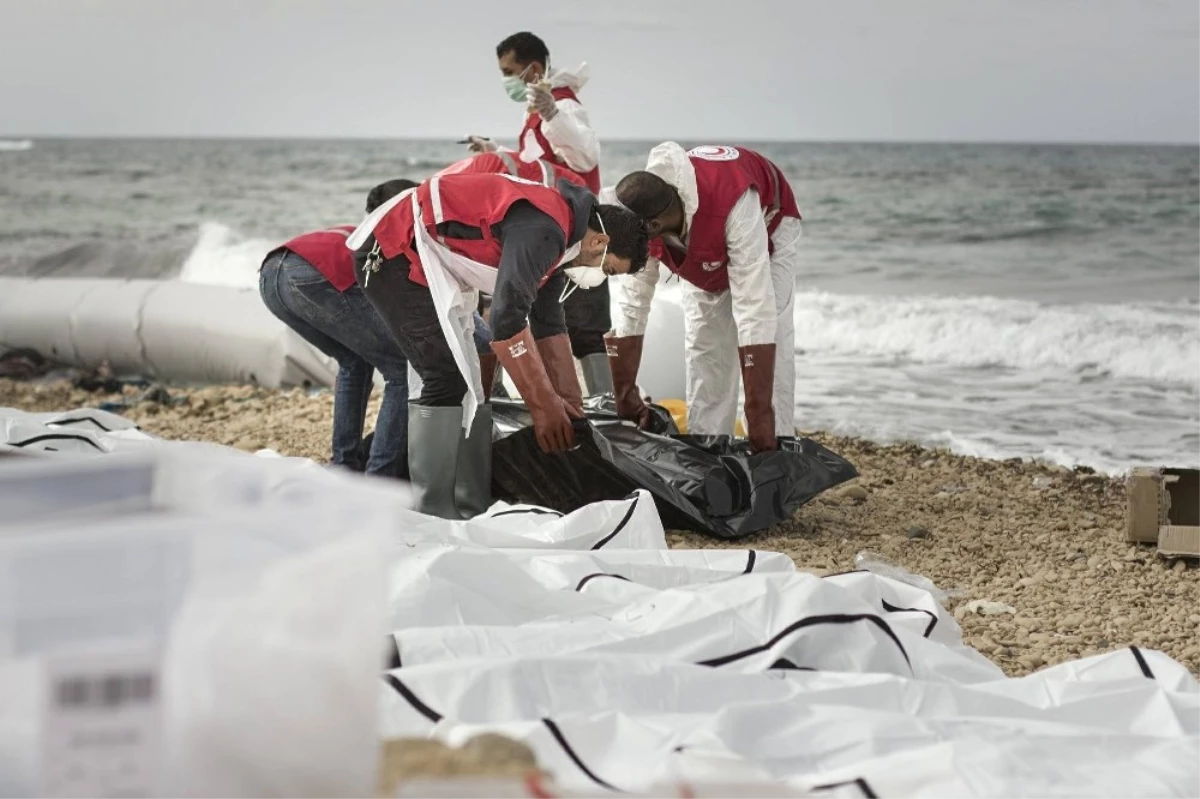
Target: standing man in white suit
x=557, y=131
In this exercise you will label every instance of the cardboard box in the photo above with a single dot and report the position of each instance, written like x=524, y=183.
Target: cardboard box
x=1164, y=508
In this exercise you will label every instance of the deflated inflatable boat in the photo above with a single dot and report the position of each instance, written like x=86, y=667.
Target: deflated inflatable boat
x=162, y=329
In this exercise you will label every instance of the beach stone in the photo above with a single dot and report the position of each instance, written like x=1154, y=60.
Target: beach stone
x=854, y=494
x=917, y=531
x=1180, y=566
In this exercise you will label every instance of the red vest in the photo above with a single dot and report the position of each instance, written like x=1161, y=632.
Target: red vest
x=503, y=162
x=327, y=251
x=533, y=122
x=477, y=200
x=723, y=175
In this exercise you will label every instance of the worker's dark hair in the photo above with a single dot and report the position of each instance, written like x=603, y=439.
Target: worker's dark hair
x=525, y=47
x=627, y=235
x=386, y=191
x=645, y=193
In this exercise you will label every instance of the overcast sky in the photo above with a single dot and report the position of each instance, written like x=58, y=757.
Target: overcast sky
x=929, y=70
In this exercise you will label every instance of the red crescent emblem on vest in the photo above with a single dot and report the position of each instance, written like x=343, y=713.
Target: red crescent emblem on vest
x=715, y=152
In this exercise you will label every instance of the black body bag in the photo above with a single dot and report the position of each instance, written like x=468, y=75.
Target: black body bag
x=707, y=484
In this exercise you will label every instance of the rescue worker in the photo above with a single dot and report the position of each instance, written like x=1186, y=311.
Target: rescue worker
x=725, y=221
x=504, y=162
x=308, y=284
x=557, y=130
x=422, y=258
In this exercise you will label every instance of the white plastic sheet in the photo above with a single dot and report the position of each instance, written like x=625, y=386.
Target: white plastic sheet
x=254, y=589
x=626, y=665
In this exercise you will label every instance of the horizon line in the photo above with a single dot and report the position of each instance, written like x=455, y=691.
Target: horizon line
x=622, y=139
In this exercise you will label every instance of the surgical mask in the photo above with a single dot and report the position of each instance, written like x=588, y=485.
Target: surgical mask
x=515, y=86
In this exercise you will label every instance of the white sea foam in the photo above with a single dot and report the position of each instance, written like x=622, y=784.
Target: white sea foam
x=1158, y=342
x=221, y=257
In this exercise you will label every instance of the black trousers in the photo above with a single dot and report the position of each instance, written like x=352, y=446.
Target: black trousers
x=408, y=311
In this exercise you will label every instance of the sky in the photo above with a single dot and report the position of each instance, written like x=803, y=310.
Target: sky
x=867, y=70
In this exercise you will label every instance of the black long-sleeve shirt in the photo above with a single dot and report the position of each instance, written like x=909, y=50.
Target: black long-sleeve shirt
x=532, y=242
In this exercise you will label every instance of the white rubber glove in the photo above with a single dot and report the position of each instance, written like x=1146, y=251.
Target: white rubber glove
x=542, y=101
x=481, y=144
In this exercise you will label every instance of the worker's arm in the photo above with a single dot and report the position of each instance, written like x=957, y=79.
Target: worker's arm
x=634, y=295
x=571, y=136
x=750, y=272
x=533, y=242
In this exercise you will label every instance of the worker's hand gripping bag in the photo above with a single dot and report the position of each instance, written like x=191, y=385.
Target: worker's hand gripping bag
x=214, y=620
x=709, y=484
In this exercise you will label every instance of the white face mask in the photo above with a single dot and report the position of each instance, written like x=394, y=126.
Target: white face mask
x=585, y=277
x=582, y=277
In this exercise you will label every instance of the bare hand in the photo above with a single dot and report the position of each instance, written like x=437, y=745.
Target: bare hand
x=481, y=144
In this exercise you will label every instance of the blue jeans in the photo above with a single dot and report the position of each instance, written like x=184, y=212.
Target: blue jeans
x=344, y=326
x=483, y=336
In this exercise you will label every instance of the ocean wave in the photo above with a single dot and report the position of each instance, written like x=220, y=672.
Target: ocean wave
x=15, y=145
x=115, y=259
x=222, y=257
x=1157, y=342
x=1039, y=232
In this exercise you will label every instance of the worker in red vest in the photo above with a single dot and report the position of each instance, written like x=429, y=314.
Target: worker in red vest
x=596, y=375
x=423, y=257
x=557, y=130
x=725, y=221
x=308, y=284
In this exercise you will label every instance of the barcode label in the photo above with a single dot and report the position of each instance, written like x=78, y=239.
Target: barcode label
x=101, y=725
x=106, y=692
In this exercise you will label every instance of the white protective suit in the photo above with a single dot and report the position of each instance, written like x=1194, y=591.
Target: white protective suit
x=570, y=132
x=756, y=309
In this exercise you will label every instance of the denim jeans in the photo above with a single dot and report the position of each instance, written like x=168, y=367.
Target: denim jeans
x=345, y=326
x=483, y=336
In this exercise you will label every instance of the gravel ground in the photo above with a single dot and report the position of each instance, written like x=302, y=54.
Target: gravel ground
x=1047, y=542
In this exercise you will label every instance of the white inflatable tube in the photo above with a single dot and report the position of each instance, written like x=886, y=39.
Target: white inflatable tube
x=165, y=329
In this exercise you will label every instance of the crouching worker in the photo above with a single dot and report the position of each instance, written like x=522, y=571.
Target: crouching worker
x=726, y=222
x=308, y=283
x=587, y=312
x=423, y=257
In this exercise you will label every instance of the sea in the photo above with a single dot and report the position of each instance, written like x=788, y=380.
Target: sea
x=1006, y=300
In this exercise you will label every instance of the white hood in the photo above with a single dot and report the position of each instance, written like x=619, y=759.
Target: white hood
x=671, y=163
x=573, y=79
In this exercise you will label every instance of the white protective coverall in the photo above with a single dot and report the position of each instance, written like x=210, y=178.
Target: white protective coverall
x=756, y=309
x=569, y=132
